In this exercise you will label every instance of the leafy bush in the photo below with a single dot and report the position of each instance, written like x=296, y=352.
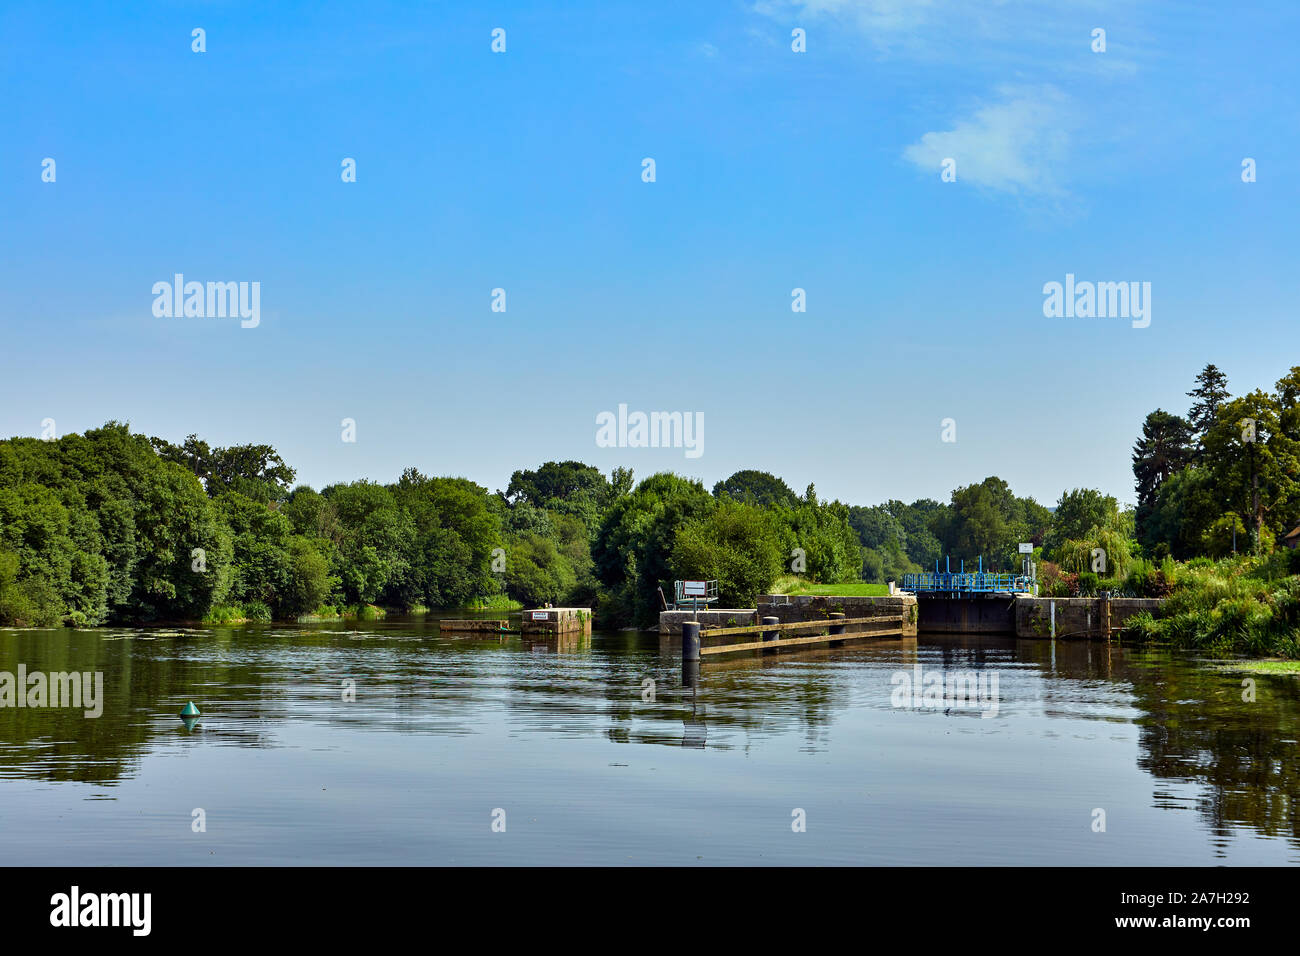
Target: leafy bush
x=736, y=545
x=257, y=611
x=30, y=603
x=1145, y=580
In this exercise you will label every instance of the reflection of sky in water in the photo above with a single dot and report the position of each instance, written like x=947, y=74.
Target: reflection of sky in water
x=442, y=731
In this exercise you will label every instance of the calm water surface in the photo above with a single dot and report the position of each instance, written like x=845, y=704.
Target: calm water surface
x=444, y=731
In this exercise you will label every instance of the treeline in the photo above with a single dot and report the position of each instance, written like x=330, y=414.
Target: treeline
x=1223, y=478
x=112, y=526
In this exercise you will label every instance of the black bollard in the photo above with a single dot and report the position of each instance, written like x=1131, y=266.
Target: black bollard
x=771, y=635
x=690, y=640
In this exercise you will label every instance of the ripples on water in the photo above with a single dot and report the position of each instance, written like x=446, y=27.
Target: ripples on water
x=593, y=764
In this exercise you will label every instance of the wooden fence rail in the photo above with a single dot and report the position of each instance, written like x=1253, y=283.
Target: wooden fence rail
x=796, y=626
x=693, y=649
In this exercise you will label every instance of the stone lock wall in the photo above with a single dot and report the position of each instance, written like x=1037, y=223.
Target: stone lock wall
x=1075, y=617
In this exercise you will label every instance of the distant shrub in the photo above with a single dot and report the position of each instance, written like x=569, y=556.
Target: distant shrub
x=257, y=611
x=365, y=612
x=1147, y=581
x=30, y=603
x=223, y=614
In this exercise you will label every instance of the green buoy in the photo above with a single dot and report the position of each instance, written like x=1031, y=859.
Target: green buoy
x=189, y=710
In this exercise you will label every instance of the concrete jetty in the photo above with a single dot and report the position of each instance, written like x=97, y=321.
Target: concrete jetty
x=556, y=620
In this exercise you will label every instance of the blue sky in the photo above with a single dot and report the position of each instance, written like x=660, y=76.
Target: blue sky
x=522, y=170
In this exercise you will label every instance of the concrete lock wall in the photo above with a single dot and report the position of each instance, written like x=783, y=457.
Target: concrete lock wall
x=1076, y=617
x=670, y=622
x=1023, y=616
x=796, y=608
x=556, y=620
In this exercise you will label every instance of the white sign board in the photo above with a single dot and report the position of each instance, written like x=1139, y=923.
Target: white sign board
x=1027, y=548
x=695, y=588
x=541, y=616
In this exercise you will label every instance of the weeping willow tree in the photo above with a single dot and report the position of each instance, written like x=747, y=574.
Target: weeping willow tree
x=1104, y=551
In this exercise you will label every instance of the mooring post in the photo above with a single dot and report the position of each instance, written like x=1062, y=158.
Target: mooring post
x=836, y=628
x=690, y=641
x=771, y=635
x=690, y=673
x=1103, y=614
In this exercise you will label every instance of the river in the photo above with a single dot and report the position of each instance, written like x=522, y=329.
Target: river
x=384, y=743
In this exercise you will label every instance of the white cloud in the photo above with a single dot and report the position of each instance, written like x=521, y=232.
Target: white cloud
x=1015, y=145
x=990, y=34
x=871, y=15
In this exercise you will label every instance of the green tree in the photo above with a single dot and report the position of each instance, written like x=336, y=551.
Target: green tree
x=1208, y=396
x=1186, y=504
x=736, y=544
x=259, y=537
x=308, y=582
x=1164, y=448
x=1077, y=513
x=565, y=487
x=1254, y=463
x=454, y=532
x=756, y=488
x=376, y=541
x=875, y=526
x=255, y=471
x=537, y=573
x=633, y=545
x=981, y=522
x=918, y=521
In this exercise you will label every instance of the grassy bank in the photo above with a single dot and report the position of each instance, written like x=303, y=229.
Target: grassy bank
x=497, y=602
x=792, y=584
x=256, y=613
x=1239, y=605
x=252, y=612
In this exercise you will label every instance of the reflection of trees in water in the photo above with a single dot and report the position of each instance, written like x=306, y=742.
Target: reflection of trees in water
x=244, y=680
x=1194, y=728
x=143, y=679
x=1197, y=728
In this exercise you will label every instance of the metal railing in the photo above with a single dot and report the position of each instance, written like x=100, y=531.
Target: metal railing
x=682, y=600
x=959, y=582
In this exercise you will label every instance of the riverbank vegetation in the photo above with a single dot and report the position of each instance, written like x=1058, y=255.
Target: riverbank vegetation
x=112, y=526
x=793, y=584
x=1237, y=605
